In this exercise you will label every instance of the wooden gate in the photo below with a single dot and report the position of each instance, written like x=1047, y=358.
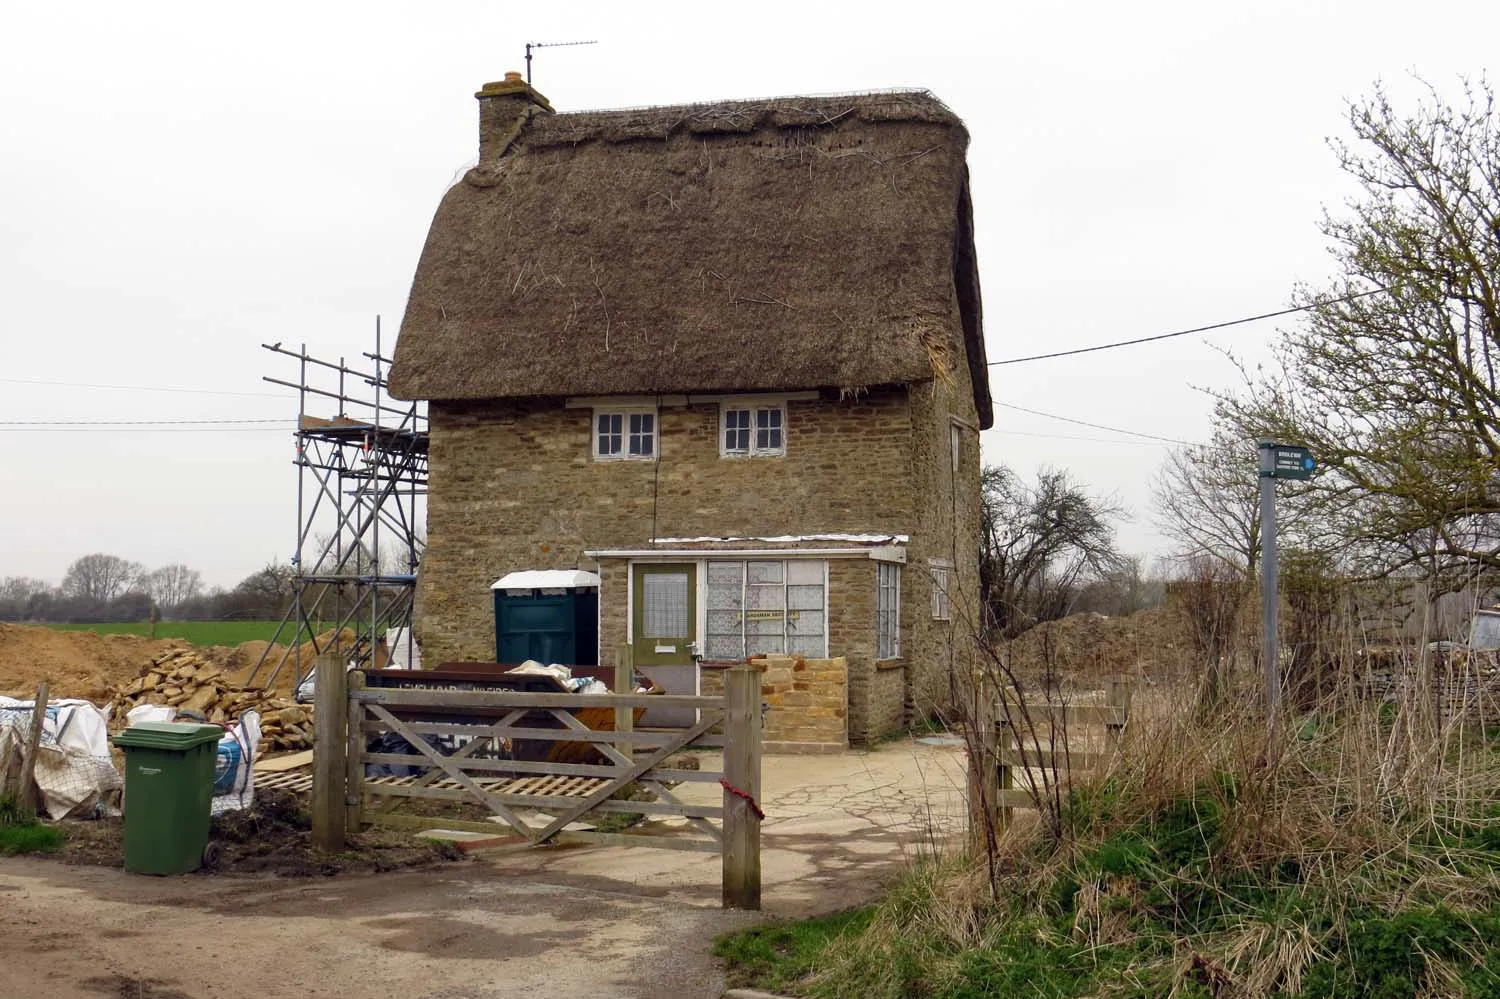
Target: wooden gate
x=475, y=746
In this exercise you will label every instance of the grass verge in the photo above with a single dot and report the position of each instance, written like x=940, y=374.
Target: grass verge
x=22, y=834
x=196, y=632
x=1353, y=851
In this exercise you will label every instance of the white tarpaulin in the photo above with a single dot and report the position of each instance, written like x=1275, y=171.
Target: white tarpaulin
x=73, y=768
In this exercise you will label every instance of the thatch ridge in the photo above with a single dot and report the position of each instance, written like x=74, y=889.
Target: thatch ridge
x=737, y=117
x=765, y=245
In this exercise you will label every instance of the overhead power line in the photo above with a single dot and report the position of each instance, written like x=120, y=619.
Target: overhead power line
x=133, y=423
x=1195, y=329
x=139, y=430
x=138, y=388
x=1100, y=426
x=1081, y=437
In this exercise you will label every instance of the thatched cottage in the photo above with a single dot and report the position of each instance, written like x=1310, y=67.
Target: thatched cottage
x=729, y=358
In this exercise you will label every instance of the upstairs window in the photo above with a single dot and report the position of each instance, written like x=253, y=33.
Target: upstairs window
x=942, y=577
x=750, y=431
x=624, y=434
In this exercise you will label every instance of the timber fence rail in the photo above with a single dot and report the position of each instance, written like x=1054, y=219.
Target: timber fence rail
x=499, y=749
x=1043, y=743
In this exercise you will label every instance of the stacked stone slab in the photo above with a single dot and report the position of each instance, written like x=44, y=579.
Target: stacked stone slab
x=807, y=702
x=188, y=682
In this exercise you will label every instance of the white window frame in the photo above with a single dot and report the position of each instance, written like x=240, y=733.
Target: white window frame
x=754, y=407
x=941, y=571
x=887, y=610
x=745, y=585
x=625, y=413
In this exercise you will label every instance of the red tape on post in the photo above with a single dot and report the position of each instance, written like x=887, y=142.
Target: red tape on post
x=724, y=783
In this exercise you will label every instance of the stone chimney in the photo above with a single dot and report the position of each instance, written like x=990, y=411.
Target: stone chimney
x=504, y=109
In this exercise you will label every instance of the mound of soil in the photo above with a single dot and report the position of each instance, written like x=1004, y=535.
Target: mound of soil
x=274, y=837
x=73, y=663
x=89, y=665
x=1152, y=643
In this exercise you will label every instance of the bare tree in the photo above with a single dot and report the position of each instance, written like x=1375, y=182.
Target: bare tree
x=1392, y=378
x=1041, y=543
x=1211, y=593
x=19, y=595
x=172, y=585
x=1206, y=500
x=100, y=577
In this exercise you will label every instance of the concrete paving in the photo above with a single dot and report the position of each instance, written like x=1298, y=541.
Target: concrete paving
x=836, y=828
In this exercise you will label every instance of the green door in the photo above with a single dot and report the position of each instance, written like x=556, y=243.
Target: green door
x=665, y=622
x=664, y=615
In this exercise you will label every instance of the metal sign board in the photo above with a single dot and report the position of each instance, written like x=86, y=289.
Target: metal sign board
x=1290, y=461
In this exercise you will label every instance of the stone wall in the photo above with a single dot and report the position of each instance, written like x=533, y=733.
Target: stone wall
x=513, y=486
x=947, y=531
x=807, y=698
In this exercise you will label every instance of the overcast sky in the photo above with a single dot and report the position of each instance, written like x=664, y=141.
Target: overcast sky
x=181, y=182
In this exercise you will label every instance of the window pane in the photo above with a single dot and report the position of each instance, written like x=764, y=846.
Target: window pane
x=765, y=572
x=805, y=597
x=642, y=434
x=725, y=573
x=807, y=645
x=724, y=622
x=764, y=643
x=725, y=647
x=767, y=597
x=768, y=429
x=736, y=430
x=610, y=433
x=805, y=622
x=664, y=605
x=725, y=596
x=805, y=570
x=888, y=611
x=764, y=622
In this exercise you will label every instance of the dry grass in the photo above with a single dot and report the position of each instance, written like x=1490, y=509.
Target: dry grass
x=1350, y=848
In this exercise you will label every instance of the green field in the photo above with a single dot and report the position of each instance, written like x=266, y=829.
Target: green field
x=197, y=632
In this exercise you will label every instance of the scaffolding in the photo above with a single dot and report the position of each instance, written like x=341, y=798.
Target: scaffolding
x=361, y=488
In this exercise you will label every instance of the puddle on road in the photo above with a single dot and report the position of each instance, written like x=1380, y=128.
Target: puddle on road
x=125, y=987
x=438, y=936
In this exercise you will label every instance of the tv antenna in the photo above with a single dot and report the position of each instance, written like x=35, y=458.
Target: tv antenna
x=549, y=45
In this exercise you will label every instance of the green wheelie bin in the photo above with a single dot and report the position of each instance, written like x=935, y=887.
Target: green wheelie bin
x=169, y=783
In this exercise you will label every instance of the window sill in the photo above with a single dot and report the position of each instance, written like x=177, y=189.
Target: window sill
x=897, y=663
x=726, y=664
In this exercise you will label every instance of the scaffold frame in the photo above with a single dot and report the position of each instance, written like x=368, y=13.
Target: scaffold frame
x=361, y=488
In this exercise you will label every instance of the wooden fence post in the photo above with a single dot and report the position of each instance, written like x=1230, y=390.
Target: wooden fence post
x=330, y=714
x=624, y=684
x=1117, y=695
x=983, y=770
x=354, y=773
x=26, y=789
x=741, y=880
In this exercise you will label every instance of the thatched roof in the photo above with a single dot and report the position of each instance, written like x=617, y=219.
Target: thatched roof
x=771, y=245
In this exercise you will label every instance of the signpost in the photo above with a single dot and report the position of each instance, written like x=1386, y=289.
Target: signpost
x=1277, y=461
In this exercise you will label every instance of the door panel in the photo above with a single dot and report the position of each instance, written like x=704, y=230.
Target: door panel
x=664, y=619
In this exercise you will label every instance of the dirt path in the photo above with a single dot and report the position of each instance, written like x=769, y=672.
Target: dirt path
x=464, y=932
x=575, y=922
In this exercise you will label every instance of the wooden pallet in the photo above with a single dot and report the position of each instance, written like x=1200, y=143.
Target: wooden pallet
x=545, y=786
